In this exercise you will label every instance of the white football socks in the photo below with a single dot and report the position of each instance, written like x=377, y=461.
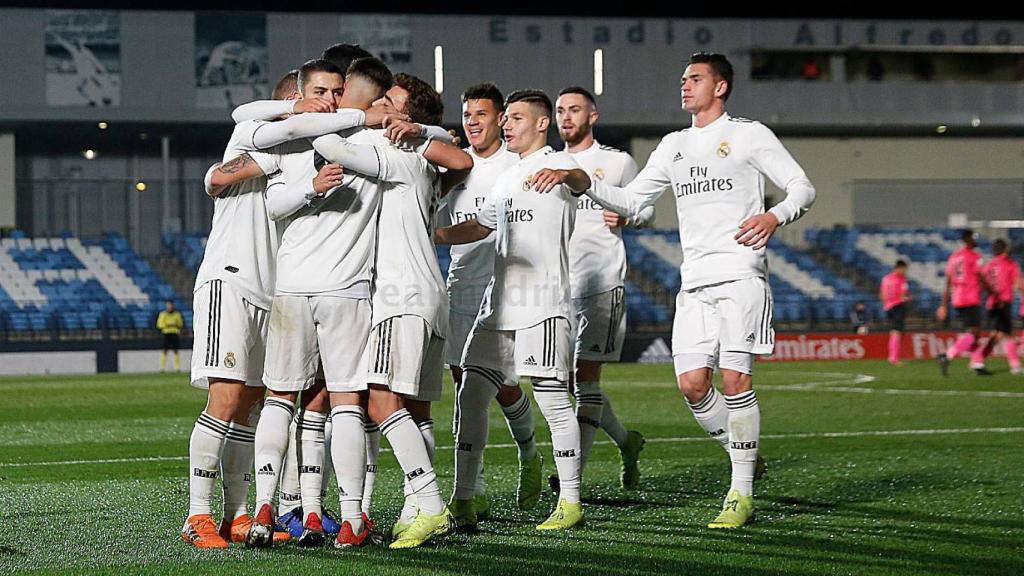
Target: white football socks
x=204, y=453
x=289, y=498
x=372, y=435
x=348, y=451
x=744, y=435
x=474, y=399
x=589, y=409
x=713, y=416
x=610, y=423
x=271, y=444
x=410, y=451
x=519, y=417
x=553, y=399
x=236, y=469
x=310, y=429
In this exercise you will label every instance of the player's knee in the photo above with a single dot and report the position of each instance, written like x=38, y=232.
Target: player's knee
x=418, y=409
x=224, y=398
x=318, y=401
x=737, y=368
x=588, y=371
x=509, y=395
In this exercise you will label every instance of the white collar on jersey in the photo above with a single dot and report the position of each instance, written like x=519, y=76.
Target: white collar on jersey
x=594, y=147
x=501, y=151
x=537, y=153
x=714, y=125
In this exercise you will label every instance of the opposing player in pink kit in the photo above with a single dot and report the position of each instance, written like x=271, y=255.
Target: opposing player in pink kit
x=964, y=281
x=1002, y=274
x=894, y=294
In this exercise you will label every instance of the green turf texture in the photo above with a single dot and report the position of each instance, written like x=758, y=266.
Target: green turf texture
x=886, y=503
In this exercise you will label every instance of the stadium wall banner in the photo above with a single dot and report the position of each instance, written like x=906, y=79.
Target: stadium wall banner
x=83, y=58
x=231, y=59
x=657, y=348
x=388, y=37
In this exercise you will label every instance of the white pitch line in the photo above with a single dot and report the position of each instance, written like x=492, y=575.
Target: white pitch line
x=795, y=436
x=894, y=391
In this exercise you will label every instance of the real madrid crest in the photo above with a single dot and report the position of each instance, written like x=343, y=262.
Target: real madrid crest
x=723, y=149
x=526, y=183
x=599, y=173
x=229, y=360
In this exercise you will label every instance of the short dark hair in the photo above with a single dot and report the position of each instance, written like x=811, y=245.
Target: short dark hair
x=371, y=69
x=966, y=234
x=316, y=65
x=342, y=55
x=999, y=245
x=424, y=105
x=286, y=86
x=485, y=91
x=719, y=65
x=534, y=97
x=901, y=263
x=582, y=92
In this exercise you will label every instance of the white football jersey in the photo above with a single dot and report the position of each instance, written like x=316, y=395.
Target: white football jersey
x=531, y=258
x=597, y=257
x=473, y=264
x=408, y=277
x=717, y=176
x=243, y=242
x=329, y=246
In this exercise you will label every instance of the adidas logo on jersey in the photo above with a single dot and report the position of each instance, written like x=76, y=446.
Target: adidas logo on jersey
x=267, y=469
x=595, y=348
x=677, y=157
x=658, y=352
x=531, y=361
x=750, y=338
x=204, y=473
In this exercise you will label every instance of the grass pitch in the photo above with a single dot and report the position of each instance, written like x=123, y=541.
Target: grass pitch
x=872, y=470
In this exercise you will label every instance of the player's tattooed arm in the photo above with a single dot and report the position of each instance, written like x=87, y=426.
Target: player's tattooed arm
x=462, y=233
x=240, y=169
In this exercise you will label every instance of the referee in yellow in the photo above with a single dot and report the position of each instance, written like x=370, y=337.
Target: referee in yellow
x=170, y=323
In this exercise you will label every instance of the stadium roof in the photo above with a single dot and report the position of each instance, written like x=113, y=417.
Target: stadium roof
x=874, y=9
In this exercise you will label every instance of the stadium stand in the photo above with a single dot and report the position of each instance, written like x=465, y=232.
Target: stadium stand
x=872, y=253
x=802, y=289
x=66, y=287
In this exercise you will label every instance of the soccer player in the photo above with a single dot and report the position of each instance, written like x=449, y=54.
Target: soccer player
x=523, y=328
x=1002, y=274
x=894, y=294
x=964, y=282
x=716, y=170
x=471, y=268
x=170, y=323
x=318, y=79
x=597, y=266
x=232, y=301
x=323, y=291
x=410, y=315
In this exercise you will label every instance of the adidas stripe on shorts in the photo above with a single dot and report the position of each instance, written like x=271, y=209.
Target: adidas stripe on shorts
x=727, y=317
x=543, y=351
x=600, y=325
x=406, y=356
x=230, y=336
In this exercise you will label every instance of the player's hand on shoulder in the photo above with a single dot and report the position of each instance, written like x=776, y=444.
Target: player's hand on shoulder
x=382, y=114
x=545, y=179
x=397, y=130
x=329, y=177
x=613, y=220
x=456, y=139
x=313, y=105
x=757, y=230
x=941, y=313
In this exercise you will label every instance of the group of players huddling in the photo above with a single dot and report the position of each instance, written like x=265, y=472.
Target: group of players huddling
x=322, y=320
